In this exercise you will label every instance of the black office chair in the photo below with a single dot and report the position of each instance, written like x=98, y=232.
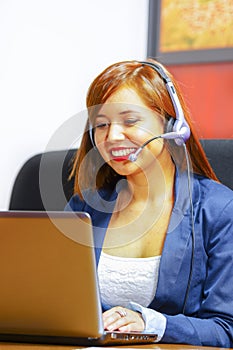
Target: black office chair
x=42, y=183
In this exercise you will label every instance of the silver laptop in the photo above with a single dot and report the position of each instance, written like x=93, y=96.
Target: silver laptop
x=49, y=288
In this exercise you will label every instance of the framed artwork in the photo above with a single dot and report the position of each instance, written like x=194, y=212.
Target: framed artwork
x=188, y=31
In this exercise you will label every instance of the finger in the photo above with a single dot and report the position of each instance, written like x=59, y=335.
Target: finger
x=132, y=327
x=109, y=313
x=110, y=320
x=116, y=325
x=115, y=318
x=126, y=328
x=133, y=322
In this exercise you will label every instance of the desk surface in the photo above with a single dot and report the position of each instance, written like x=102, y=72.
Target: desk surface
x=14, y=346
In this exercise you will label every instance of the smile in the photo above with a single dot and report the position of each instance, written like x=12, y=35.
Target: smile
x=122, y=152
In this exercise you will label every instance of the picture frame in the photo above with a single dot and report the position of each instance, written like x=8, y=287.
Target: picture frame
x=182, y=53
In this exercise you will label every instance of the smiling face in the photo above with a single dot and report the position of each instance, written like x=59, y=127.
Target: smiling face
x=122, y=125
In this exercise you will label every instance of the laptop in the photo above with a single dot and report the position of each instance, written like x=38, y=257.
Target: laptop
x=49, y=286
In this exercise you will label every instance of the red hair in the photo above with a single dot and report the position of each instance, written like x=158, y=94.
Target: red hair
x=148, y=84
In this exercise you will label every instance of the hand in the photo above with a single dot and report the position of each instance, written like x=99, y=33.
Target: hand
x=122, y=319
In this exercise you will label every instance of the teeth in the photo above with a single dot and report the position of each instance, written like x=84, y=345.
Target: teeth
x=123, y=152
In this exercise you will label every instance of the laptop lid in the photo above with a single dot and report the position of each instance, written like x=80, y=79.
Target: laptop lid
x=49, y=288
x=48, y=283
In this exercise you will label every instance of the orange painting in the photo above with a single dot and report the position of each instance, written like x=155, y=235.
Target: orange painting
x=196, y=25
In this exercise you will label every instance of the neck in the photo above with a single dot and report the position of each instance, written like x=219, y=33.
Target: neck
x=154, y=184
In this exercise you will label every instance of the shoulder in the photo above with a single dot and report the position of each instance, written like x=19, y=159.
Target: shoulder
x=211, y=192
x=213, y=206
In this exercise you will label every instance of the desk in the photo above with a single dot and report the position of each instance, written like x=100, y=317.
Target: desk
x=14, y=346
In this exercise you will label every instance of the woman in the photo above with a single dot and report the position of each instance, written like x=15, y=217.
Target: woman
x=162, y=224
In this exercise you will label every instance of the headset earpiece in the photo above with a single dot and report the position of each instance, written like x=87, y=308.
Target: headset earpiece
x=180, y=131
x=92, y=135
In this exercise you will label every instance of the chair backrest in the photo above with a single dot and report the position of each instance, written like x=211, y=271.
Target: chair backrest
x=55, y=167
x=219, y=154
x=26, y=193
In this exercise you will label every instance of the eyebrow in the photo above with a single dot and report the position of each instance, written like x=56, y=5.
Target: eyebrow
x=100, y=116
x=128, y=111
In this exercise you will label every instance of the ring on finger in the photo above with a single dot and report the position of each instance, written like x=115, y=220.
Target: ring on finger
x=121, y=312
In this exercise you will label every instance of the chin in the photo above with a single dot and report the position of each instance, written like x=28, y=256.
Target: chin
x=123, y=168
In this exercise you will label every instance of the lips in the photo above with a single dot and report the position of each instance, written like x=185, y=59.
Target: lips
x=121, y=154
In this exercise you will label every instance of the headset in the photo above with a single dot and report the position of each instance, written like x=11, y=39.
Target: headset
x=177, y=129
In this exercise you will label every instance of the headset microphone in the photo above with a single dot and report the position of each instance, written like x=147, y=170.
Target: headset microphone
x=134, y=156
x=169, y=135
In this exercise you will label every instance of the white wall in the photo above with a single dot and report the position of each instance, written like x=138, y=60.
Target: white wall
x=50, y=51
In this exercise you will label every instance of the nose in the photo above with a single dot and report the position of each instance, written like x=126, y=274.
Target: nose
x=116, y=132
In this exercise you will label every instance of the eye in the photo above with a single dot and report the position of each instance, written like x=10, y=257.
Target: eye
x=131, y=121
x=102, y=125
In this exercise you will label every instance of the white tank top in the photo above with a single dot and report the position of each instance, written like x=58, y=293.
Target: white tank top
x=123, y=279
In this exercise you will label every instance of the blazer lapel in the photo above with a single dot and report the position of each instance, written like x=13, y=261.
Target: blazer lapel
x=177, y=249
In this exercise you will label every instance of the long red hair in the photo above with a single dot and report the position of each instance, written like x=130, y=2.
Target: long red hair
x=150, y=87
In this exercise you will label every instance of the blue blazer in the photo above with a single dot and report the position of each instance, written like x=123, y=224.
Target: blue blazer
x=197, y=259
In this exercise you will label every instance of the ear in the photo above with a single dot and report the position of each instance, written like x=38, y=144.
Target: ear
x=170, y=124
